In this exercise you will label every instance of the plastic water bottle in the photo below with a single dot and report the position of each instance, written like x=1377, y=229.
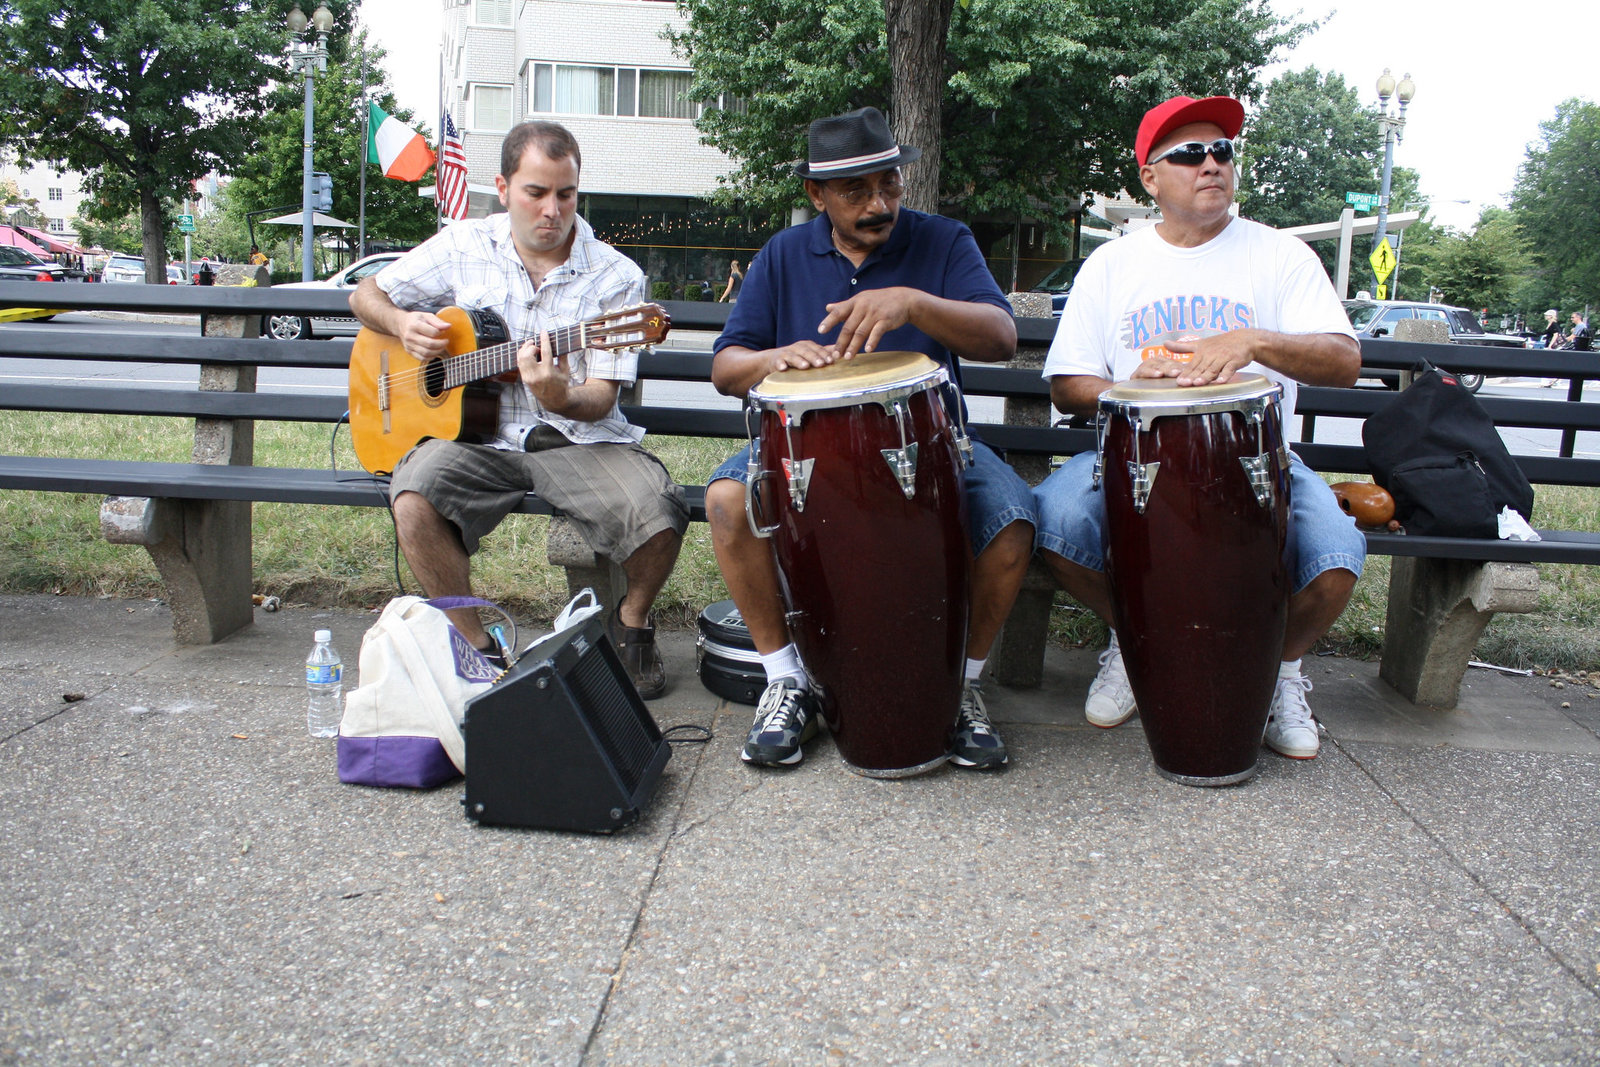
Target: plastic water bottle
x=324, y=687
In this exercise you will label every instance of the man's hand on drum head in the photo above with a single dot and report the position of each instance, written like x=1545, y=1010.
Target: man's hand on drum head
x=867, y=316
x=1213, y=359
x=802, y=355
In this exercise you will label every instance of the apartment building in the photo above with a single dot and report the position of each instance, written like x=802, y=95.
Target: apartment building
x=602, y=69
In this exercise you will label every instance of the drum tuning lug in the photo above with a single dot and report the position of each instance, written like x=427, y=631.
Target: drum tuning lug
x=1260, y=477
x=903, y=465
x=1143, y=477
x=798, y=472
x=964, y=443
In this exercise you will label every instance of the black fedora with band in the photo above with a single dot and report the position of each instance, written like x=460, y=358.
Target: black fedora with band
x=849, y=145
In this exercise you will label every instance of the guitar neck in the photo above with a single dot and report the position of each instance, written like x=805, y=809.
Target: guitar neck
x=498, y=359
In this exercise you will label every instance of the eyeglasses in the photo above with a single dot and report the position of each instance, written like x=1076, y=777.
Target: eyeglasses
x=890, y=191
x=1193, y=153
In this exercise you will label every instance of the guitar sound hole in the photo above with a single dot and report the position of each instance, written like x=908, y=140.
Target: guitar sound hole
x=433, y=378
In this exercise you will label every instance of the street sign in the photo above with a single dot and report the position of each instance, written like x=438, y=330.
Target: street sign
x=1362, y=201
x=1382, y=260
x=185, y=223
x=1383, y=292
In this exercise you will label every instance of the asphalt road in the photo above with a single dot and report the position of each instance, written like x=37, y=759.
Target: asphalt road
x=984, y=409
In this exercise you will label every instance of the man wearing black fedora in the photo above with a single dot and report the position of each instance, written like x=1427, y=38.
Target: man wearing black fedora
x=865, y=275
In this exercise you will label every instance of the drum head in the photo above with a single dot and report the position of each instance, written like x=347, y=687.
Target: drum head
x=865, y=374
x=1164, y=390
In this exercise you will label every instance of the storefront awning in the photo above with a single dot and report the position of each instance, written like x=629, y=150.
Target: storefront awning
x=52, y=244
x=10, y=235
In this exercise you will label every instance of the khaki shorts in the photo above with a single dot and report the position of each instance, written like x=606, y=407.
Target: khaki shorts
x=619, y=495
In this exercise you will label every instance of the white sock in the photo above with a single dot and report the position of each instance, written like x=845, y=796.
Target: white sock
x=1289, y=668
x=974, y=668
x=785, y=663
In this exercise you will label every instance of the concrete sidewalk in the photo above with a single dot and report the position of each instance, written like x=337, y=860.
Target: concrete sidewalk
x=186, y=881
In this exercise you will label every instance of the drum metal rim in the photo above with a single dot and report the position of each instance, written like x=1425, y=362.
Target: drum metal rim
x=896, y=772
x=885, y=395
x=1182, y=402
x=1211, y=781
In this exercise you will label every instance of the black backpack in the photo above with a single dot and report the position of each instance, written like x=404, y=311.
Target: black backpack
x=1438, y=453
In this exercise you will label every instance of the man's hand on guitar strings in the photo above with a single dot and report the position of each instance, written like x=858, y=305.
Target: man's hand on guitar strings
x=424, y=335
x=546, y=377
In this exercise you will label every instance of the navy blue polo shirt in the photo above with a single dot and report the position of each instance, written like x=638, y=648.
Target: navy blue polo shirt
x=798, y=273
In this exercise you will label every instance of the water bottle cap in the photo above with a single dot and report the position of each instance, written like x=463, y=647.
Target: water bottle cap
x=322, y=635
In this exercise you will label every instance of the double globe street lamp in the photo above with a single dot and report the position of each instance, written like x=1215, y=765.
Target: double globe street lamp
x=311, y=58
x=1393, y=130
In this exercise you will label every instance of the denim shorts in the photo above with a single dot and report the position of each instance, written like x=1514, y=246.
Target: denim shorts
x=1072, y=521
x=996, y=495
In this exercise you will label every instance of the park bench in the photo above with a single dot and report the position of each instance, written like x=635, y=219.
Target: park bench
x=195, y=517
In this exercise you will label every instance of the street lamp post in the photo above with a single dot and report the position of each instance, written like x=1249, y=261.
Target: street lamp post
x=309, y=58
x=1393, y=130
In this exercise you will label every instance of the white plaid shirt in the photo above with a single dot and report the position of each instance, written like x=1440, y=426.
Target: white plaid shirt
x=474, y=264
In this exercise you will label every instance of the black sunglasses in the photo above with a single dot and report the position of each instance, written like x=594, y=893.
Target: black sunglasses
x=1193, y=153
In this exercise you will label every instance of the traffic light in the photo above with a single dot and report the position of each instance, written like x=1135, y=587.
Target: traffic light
x=322, y=186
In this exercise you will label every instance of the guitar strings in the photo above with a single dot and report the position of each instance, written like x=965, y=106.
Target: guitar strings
x=484, y=362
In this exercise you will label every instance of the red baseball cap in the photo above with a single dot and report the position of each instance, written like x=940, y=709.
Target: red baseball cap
x=1165, y=117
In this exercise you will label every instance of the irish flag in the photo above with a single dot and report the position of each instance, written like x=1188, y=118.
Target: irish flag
x=396, y=147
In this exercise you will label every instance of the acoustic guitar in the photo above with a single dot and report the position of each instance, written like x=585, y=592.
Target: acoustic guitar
x=398, y=400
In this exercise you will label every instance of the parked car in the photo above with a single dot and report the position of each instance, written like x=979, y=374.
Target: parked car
x=1378, y=318
x=20, y=265
x=1058, y=283
x=176, y=274
x=123, y=268
x=299, y=328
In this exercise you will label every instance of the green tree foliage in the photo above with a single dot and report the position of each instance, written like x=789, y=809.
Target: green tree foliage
x=139, y=96
x=119, y=234
x=1308, y=143
x=271, y=177
x=1041, y=98
x=1480, y=270
x=1556, y=206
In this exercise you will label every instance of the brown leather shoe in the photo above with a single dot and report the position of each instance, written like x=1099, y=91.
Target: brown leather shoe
x=636, y=646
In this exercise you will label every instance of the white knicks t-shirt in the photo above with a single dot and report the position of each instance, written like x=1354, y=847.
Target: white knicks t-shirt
x=1137, y=292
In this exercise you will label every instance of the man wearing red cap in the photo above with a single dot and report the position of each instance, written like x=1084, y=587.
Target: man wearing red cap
x=1197, y=297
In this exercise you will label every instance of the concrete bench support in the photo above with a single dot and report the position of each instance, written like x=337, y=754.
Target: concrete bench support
x=1437, y=610
x=201, y=547
x=566, y=548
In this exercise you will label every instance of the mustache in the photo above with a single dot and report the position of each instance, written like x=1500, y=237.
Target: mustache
x=874, y=220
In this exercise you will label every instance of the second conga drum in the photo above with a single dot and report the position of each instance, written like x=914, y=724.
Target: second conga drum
x=857, y=477
x=1197, y=497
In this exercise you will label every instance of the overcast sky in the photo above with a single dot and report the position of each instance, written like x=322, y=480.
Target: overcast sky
x=1486, y=76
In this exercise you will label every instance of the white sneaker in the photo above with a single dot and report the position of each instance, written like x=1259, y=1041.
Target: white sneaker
x=1110, y=701
x=1291, y=731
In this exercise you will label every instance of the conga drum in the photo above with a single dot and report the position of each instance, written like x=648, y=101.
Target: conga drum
x=857, y=477
x=1196, y=484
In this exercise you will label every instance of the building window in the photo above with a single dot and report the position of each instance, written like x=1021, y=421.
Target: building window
x=491, y=107
x=58, y=226
x=492, y=12
x=664, y=94
x=564, y=89
x=55, y=192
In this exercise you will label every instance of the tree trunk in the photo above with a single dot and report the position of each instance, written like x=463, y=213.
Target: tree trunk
x=918, y=31
x=153, y=233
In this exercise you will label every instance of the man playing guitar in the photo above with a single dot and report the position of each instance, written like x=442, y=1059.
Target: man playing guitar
x=559, y=432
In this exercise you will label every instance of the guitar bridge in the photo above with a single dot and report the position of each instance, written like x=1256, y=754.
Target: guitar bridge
x=383, y=387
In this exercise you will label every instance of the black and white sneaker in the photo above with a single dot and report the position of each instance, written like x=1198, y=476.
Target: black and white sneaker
x=786, y=718
x=976, y=744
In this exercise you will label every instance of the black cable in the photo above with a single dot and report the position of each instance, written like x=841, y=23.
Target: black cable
x=689, y=727
x=388, y=504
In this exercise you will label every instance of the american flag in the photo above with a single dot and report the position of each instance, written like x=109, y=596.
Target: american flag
x=452, y=173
